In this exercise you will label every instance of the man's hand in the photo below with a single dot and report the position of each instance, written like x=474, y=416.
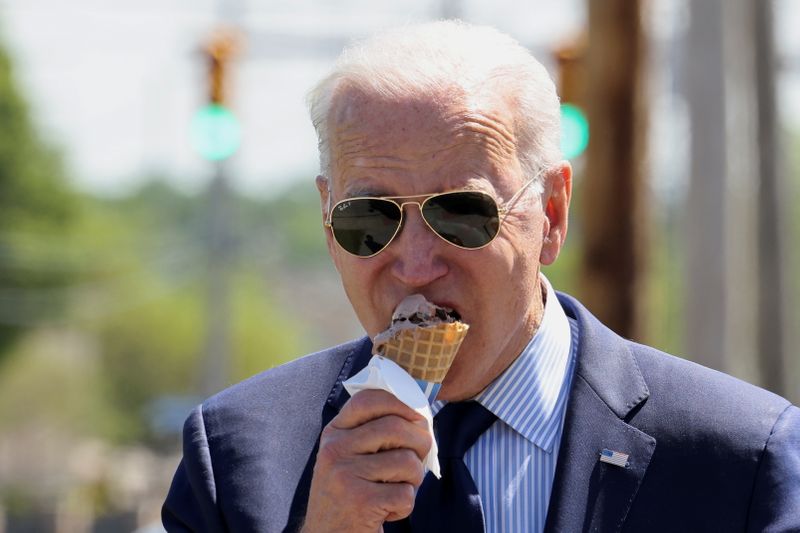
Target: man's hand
x=369, y=465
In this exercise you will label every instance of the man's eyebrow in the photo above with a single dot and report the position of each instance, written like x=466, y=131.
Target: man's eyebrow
x=357, y=190
x=364, y=190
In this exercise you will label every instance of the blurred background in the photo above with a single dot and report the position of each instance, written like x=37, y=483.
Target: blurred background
x=160, y=234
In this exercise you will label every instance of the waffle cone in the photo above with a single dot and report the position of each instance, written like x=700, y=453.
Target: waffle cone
x=426, y=352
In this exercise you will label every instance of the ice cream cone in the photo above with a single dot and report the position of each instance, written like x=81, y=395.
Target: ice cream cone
x=425, y=352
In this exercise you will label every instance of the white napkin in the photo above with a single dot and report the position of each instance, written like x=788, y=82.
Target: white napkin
x=384, y=374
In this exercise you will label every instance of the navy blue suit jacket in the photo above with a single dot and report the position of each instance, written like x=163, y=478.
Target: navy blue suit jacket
x=707, y=451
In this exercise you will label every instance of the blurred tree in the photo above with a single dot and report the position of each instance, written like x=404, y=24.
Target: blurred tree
x=133, y=330
x=151, y=334
x=297, y=217
x=34, y=200
x=151, y=351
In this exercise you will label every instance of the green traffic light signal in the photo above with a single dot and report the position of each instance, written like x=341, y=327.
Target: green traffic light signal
x=215, y=132
x=574, y=131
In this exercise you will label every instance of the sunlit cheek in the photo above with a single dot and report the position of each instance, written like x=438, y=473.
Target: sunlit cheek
x=524, y=235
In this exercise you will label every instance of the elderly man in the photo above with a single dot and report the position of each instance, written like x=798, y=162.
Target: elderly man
x=441, y=176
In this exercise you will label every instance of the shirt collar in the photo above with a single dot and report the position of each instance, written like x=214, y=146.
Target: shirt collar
x=525, y=395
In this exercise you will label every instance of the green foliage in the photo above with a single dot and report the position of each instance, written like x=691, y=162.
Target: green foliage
x=146, y=351
x=157, y=349
x=296, y=217
x=136, y=307
x=54, y=382
x=152, y=341
x=34, y=201
x=31, y=175
x=263, y=335
x=664, y=326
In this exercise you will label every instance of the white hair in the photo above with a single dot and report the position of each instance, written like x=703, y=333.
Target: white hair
x=455, y=57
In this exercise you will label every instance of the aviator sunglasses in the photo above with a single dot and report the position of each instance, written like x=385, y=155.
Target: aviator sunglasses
x=365, y=225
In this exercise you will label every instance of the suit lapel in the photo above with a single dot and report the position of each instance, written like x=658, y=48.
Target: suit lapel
x=354, y=362
x=589, y=495
x=608, y=387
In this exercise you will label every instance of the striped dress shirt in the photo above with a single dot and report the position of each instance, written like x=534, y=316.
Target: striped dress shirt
x=513, y=463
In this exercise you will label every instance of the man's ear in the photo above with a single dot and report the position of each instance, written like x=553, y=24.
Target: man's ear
x=324, y=188
x=558, y=193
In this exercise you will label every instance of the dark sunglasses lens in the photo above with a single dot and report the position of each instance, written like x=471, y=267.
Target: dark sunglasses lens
x=467, y=219
x=364, y=226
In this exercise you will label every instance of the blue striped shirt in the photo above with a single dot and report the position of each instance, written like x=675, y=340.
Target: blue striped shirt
x=513, y=463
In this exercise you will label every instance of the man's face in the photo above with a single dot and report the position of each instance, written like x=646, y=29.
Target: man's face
x=426, y=145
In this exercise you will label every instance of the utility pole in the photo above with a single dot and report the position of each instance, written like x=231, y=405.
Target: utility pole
x=706, y=202
x=737, y=288
x=773, y=286
x=614, y=221
x=217, y=139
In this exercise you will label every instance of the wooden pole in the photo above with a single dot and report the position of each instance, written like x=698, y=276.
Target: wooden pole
x=772, y=362
x=614, y=221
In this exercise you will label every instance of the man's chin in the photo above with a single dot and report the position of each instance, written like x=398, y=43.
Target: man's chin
x=454, y=395
x=457, y=385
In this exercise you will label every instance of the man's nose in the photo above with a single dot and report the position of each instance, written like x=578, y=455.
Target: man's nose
x=416, y=258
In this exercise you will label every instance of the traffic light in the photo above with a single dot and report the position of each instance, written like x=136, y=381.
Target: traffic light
x=215, y=131
x=574, y=131
x=571, y=81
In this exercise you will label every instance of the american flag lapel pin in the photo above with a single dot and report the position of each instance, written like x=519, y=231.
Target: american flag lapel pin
x=614, y=458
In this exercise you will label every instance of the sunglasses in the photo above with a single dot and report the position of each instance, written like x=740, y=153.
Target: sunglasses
x=364, y=226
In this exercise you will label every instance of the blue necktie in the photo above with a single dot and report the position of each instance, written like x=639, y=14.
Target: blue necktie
x=452, y=503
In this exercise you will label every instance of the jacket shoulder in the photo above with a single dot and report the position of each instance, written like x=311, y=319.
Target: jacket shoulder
x=283, y=390
x=689, y=395
x=246, y=448
x=674, y=396
x=722, y=449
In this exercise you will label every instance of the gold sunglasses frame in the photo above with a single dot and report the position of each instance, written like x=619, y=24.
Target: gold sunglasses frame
x=502, y=211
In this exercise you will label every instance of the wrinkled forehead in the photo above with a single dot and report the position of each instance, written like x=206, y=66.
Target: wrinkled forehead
x=420, y=122
x=355, y=109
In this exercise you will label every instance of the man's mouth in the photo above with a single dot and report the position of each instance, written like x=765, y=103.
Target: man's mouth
x=443, y=313
x=417, y=309
x=447, y=310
